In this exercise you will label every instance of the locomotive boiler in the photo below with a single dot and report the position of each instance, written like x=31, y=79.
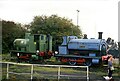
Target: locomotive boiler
x=82, y=51
x=35, y=47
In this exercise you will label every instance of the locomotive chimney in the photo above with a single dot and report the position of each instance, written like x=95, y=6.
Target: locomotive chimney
x=85, y=36
x=100, y=35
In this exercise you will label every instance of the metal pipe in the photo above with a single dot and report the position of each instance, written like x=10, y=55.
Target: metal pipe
x=31, y=72
x=58, y=73
x=7, y=70
x=100, y=35
x=77, y=17
x=87, y=73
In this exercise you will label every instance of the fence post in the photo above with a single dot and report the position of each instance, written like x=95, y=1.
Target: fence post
x=58, y=73
x=7, y=70
x=87, y=73
x=31, y=72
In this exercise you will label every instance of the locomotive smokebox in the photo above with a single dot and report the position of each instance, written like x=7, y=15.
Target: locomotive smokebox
x=100, y=35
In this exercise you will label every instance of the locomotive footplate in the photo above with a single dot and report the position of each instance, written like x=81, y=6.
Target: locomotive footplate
x=76, y=56
x=74, y=59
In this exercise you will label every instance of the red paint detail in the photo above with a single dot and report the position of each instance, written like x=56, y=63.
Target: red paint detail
x=72, y=60
x=81, y=60
x=64, y=60
x=49, y=53
x=24, y=57
x=41, y=53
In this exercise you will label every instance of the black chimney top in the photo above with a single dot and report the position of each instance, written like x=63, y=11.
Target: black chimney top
x=100, y=35
x=85, y=36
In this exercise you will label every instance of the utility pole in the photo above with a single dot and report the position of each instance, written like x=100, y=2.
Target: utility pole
x=119, y=52
x=77, y=17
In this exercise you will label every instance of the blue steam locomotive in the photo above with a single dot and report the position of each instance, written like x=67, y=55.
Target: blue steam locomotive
x=82, y=51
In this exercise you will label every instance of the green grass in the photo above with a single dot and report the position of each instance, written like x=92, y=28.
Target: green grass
x=18, y=69
x=5, y=57
x=40, y=71
x=54, y=69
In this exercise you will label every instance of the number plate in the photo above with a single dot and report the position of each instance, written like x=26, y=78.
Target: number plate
x=82, y=46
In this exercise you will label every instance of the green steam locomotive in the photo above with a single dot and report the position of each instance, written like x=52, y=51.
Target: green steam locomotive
x=35, y=47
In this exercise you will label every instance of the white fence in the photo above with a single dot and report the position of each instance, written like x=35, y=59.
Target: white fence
x=40, y=65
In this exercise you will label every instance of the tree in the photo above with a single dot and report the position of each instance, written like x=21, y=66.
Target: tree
x=10, y=31
x=55, y=26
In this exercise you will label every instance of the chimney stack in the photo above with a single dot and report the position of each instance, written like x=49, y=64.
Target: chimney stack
x=100, y=35
x=85, y=36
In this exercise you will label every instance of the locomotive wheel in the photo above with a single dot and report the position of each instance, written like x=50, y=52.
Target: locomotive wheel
x=88, y=63
x=72, y=61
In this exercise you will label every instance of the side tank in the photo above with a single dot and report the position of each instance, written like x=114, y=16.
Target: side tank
x=86, y=44
x=21, y=42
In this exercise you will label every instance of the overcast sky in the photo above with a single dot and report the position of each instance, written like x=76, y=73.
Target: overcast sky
x=94, y=16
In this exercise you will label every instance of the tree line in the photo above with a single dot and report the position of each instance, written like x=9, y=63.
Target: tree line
x=53, y=25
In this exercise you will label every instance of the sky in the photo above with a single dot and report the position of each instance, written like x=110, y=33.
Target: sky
x=94, y=16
